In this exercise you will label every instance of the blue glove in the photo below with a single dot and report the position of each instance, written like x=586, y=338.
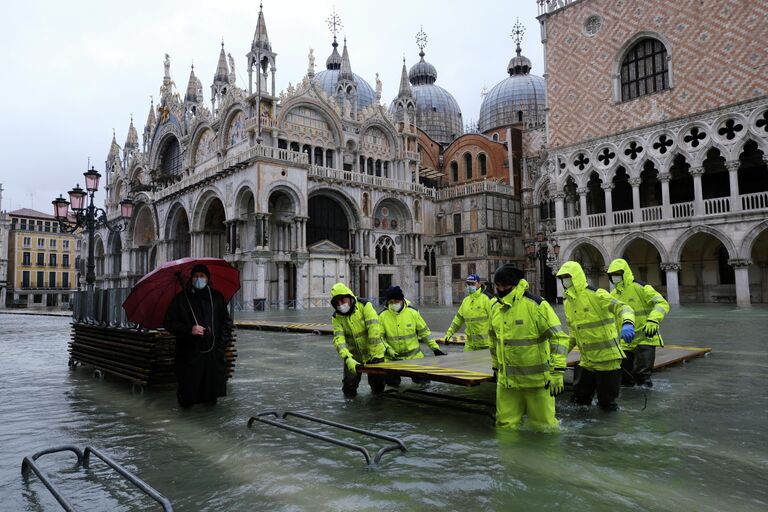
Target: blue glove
x=628, y=332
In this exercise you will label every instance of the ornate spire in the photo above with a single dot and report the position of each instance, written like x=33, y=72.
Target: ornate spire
x=114, y=150
x=405, y=86
x=519, y=64
x=334, y=25
x=151, y=120
x=346, y=67
x=194, y=88
x=132, y=140
x=260, y=37
x=222, y=71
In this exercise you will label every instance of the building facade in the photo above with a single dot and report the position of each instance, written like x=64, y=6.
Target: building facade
x=41, y=261
x=657, y=139
x=321, y=182
x=5, y=226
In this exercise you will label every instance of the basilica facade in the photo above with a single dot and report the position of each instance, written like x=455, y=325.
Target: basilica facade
x=324, y=182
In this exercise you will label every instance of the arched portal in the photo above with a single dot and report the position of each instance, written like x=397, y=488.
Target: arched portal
x=645, y=261
x=214, y=232
x=327, y=221
x=144, y=237
x=758, y=271
x=705, y=275
x=178, y=234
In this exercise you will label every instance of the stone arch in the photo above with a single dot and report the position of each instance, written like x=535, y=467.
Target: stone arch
x=243, y=199
x=224, y=131
x=389, y=131
x=160, y=144
x=677, y=248
x=200, y=206
x=400, y=206
x=138, y=175
x=541, y=186
x=567, y=253
x=624, y=243
x=99, y=253
x=748, y=241
x=346, y=202
x=177, y=231
x=143, y=235
x=208, y=222
x=290, y=190
x=328, y=211
x=328, y=114
x=196, y=155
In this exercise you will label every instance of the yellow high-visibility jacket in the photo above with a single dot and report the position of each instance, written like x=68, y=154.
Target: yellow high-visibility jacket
x=592, y=316
x=527, y=340
x=402, y=333
x=475, y=311
x=647, y=303
x=358, y=334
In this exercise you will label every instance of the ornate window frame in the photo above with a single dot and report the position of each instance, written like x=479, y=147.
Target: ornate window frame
x=619, y=58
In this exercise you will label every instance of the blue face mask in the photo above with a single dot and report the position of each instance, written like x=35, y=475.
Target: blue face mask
x=199, y=282
x=471, y=289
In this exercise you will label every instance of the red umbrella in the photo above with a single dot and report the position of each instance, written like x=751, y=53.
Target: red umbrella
x=151, y=296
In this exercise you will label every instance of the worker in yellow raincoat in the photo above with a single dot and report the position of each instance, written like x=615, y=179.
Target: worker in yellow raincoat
x=475, y=312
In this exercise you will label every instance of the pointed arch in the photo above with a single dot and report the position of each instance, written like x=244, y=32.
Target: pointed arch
x=624, y=243
x=677, y=248
x=575, y=244
x=745, y=248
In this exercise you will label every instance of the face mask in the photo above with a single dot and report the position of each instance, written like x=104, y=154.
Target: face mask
x=199, y=282
x=396, y=307
x=343, y=308
x=471, y=289
x=616, y=279
x=567, y=282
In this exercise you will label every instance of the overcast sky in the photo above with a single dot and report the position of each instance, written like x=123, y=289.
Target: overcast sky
x=74, y=70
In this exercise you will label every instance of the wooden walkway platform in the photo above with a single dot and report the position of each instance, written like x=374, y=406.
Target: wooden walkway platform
x=473, y=368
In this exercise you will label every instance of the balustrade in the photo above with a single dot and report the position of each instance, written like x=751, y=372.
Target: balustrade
x=651, y=213
x=596, y=220
x=756, y=201
x=623, y=217
x=682, y=210
x=717, y=205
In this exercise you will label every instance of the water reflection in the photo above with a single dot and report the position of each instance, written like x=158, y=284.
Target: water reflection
x=699, y=445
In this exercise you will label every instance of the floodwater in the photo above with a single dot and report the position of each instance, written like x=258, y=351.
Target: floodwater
x=701, y=444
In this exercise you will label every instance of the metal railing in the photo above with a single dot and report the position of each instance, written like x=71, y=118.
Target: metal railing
x=106, y=307
x=83, y=459
x=398, y=444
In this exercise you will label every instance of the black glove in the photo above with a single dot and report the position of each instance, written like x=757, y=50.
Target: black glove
x=495, y=374
x=439, y=352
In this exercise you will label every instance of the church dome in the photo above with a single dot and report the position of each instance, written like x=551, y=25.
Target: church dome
x=328, y=78
x=519, y=98
x=437, y=111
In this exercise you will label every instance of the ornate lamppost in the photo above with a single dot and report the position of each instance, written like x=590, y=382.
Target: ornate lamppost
x=546, y=251
x=89, y=218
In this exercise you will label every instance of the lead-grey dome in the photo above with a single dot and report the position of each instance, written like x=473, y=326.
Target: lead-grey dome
x=437, y=111
x=327, y=80
x=519, y=98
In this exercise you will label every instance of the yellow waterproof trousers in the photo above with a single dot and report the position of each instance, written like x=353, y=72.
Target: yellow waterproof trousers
x=512, y=404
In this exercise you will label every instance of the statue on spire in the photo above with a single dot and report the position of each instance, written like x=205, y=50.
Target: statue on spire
x=232, y=74
x=311, y=64
x=167, y=66
x=378, y=88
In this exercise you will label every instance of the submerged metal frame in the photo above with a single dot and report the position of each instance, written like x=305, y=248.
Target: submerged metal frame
x=83, y=459
x=398, y=395
x=398, y=444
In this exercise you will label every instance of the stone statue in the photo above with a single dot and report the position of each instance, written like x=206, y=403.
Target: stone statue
x=311, y=65
x=232, y=74
x=378, y=87
x=290, y=89
x=167, y=66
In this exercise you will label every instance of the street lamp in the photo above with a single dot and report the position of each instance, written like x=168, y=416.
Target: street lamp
x=89, y=217
x=544, y=249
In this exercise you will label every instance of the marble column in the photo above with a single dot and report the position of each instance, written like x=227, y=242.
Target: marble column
x=281, y=285
x=673, y=290
x=635, y=182
x=666, y=208
x=559, y=211
x=583, y=205
x=733, y=176
x=741, y=271
x=302, y=283
x=607, y=190
x=698, y=196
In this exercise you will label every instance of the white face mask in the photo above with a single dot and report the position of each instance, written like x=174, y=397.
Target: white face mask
x=396, y=307
x=567, y=282
x=343, y=308
x=199, y=282
x=471, y=289
x=616, y=279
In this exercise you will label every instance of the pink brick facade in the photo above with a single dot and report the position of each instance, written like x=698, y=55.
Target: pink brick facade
x=717, y=56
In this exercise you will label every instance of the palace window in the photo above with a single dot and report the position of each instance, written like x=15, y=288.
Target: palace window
x=429, y=256
x=644, y=69
x=385, y=251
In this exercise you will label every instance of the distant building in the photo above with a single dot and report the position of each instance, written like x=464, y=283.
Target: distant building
x=324, y=183
x=41, y=261
x=5, y=226
x=657, y=142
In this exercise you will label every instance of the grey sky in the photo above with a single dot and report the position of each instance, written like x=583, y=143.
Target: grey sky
x=76, y=70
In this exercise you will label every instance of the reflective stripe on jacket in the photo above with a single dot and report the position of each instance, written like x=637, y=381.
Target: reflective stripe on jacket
x=527, y=339
x=647, y=303
x=358, y=334
x=475, y=311
x=403, y=331
x=592, y=316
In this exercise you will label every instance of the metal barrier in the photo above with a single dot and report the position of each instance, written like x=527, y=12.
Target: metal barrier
x=399, y=445
x=398, y=395
x=83, y=458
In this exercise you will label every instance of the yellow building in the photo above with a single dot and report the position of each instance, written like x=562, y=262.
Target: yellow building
x=41, y=261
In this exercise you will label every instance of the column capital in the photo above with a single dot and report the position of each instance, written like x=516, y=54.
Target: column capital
x=607, y=186
x=739, y=263
x=733, y=166
x=582, y=191
x=665, y=177
x=635, y=182
x=670, y=266
x=558, y=196
x=696, y=171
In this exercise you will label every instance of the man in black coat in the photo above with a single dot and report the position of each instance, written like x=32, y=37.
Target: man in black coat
x=199, y=319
